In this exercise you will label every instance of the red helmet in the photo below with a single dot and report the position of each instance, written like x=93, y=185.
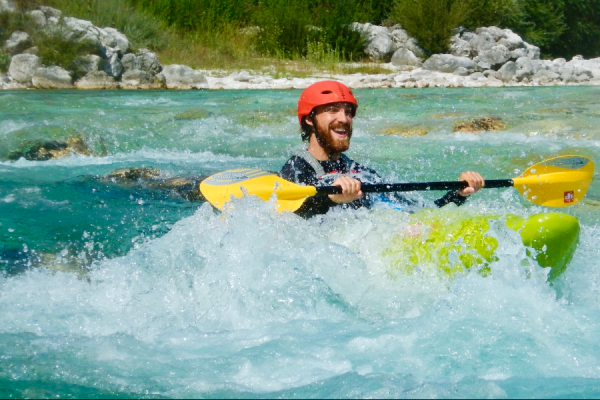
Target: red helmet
x=321, y=93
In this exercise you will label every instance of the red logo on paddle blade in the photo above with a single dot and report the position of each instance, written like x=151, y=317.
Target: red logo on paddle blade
x=569, y=197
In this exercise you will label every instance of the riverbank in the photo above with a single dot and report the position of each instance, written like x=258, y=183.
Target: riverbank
x=105, y=59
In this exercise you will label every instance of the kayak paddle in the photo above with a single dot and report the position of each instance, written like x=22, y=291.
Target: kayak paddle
x=557, y=182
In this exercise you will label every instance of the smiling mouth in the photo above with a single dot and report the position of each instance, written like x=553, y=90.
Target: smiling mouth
x=340, y=132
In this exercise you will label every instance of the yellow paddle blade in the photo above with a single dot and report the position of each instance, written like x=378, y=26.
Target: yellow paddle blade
x=225, y=186
x=558, y=182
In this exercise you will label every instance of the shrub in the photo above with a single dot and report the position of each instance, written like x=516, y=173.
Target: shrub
x=55, y=49
x=431, y=22
x=581, y=34
x=4, y=61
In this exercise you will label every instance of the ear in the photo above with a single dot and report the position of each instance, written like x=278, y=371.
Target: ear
x=308, y=121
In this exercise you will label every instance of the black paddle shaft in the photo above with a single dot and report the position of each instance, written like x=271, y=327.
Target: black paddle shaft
x=413, y=187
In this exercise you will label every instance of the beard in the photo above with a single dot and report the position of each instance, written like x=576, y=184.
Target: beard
x=331, y=143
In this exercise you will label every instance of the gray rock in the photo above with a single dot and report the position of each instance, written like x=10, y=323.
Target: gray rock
x=460, y=47
x=243, y=76
x=96, y=80
x=130, y=62
x=512, y=41
x=183, y=78
x=17, y=42
x=507, y=72
x=545, y=76
x=490, y=73
x=148, y=62
x=86, y=64
x=496, y=55
x=525, y=68
x=575, y=72
x=79, y=30
x=121, y=43
x=477, y=75
x=496, y=33
x=38, y=17
x=113, y=66
x=399, y=36
x=138, y=79
x=482, y=42
x=52, y=78
x=482, y=66
x=559, y=62
x=448, y=63
x=404, y=57
x=23, y=66
x=7, y=6
x=50, y=12
x=518, y=53
x=380, y=44
x=533, y=52
x=461, y=71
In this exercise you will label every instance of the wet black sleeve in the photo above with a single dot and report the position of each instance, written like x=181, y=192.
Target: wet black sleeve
x=299, y=171
x=451, y=197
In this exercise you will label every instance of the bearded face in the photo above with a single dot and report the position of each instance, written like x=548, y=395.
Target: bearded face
x=334, y=127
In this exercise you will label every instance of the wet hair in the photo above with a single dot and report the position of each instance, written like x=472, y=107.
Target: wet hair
x=305, y=129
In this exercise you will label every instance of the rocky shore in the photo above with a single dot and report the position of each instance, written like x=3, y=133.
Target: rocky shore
x=488, y=57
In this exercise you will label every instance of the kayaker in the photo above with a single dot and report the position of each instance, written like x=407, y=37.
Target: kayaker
x=325, y=112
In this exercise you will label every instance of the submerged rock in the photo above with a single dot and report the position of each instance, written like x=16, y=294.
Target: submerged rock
x=405, y=131
x=133, y=174
x=492, y=124
x=151, y=178
x=52, y=150
x=193, y=113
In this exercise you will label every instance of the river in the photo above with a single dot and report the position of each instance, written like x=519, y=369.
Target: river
x=114, y=288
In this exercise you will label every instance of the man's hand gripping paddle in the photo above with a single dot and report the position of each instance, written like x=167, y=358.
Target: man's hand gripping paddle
x=557, y=182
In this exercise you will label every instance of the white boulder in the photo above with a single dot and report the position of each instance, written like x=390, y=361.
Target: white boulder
x=138, y=79
x=460, y=47
x=52, y=78
x=23, y=67
x=380, y=44
x=116, y=39
x=17, y=42
x=496, y=55
x=86, y=64
x=405, y=57
x=96, y=80
x=182, y=77
x=448, y=63
x=7, y=6
x=507, y=72
x=38, y=17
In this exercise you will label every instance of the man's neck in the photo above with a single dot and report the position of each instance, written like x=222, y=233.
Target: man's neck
x=318, y=152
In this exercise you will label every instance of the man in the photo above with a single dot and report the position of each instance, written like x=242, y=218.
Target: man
x=325, y=112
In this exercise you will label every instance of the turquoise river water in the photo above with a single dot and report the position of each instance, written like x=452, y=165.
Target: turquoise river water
x=125, y=289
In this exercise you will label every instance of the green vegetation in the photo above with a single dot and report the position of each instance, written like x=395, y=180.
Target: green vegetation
x=561, y=28
x=431, y=22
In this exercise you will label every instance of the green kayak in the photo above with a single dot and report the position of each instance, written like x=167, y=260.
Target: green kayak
x=455, y=242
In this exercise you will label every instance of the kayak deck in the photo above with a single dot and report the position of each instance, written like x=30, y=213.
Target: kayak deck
x=455, y=242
